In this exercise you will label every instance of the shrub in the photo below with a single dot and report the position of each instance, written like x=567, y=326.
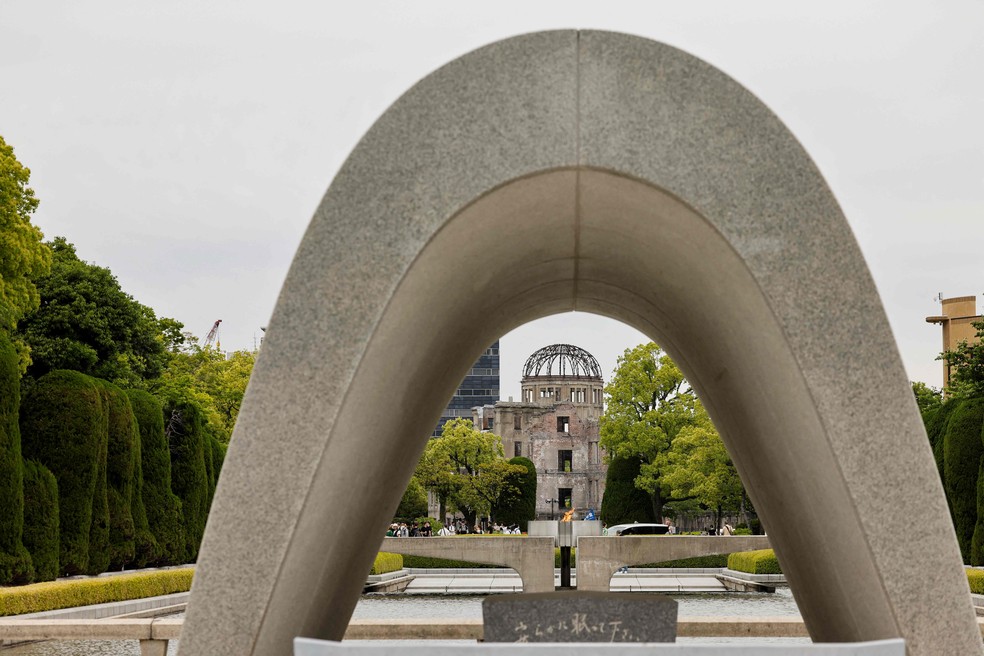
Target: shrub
x=962, y=451
x=426, y=562
x=742, y=531
x=105, y=589
x=122, y=434
x=386, y=562
x=519, y=508
x=975, y=577
x=704, y=562
x=41, y=520
x=623, y=502
x=15, y=561
x=763, y=561
x=413, y=503
x=63, y=428
x=99, y=555
x=162, y=506
x=185, y=433
x=557, y=557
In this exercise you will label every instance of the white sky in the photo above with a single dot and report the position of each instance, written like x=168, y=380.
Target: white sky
x=185, y=145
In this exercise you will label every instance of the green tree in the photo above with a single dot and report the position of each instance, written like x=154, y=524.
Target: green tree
x=929, y=399
x=186, y=437
x=163, y=507
x=63, y=427
x=15, y=560
x=217, y=382
x=520, y=506
x=87, y=323
x=414, y=502
x=41, y=520
x=966, y=363
x=24, y=256
x=470, y=465
x=648, y=403
x=962, y=454
x=697, y=466
x=623, y=502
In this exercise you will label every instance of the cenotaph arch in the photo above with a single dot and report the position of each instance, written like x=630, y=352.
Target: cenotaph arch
x=604, y=173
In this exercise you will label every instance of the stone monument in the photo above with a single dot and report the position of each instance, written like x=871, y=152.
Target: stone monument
x=605, y=173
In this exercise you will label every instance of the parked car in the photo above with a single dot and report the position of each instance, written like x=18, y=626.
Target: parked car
x=638, y=529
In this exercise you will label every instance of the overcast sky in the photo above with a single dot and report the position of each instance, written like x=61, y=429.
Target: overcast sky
x=185, y=145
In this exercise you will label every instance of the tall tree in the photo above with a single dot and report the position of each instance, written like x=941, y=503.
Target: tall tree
x=648, y=402
x=23, y=256
x=87, y=323
x=929, y=399
x=470, y=466
x=216, y=380
x=697, y=466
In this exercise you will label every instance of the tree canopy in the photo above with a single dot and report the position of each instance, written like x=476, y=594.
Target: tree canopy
x=468, y=467
x=87, y=323
x=648, y=402
x=214, y=380
x=653, y=416
x=23, y=256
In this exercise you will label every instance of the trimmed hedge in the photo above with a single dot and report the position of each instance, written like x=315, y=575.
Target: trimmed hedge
x=623, y=502
x=62, y=427
x=975, y=577
x=520, y=508
x=69, y=594
x=704, y=562
x=426, y=562
x=762, y=561
x=163, y=507
x=99, y=555
x=386, y=562
x=962, y=451
x=122, y=434
x=15, y=561
x=186, y=437
x=41, y=520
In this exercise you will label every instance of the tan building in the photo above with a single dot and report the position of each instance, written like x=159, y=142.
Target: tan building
x=956, y=317
x=556, y=426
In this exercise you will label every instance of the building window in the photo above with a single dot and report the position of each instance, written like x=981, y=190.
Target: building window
x=563, y=424
x=564, y=499
x=528, y=394
x=596, y=396
x=517, y=448
x=517, y=422
x=565, y=458
x=577, y=395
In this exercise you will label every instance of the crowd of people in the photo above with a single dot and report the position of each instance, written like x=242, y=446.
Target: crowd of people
x=424, y=529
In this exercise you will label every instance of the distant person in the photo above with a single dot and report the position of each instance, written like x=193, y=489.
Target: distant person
x=425, y=529
x=445, y=531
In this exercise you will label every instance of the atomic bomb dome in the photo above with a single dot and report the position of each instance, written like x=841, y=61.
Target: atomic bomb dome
x=561, y=361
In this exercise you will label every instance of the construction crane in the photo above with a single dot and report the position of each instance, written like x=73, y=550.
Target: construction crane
x=213, y=335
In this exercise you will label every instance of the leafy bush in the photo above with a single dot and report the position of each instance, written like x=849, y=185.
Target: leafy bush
x=623, y=502
x=557, y=557
x=413, y=503
x=162, y=506
x=62, y=427
x=386, y=562
x=763, y=561
x=69, y=594
x=41, y=520
x=15, y=561
x=742, y=531
x=975, y=577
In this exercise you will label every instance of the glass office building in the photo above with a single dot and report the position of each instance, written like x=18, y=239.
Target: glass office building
x=480, y=387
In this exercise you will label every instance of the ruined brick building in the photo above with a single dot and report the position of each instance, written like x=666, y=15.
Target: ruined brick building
x=555, y=424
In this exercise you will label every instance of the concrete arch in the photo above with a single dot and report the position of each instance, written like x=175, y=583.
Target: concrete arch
x=604, y=173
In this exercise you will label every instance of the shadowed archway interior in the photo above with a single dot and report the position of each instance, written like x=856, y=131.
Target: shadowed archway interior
x=602, y=173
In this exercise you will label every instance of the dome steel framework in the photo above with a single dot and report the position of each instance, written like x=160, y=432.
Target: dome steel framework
x=562, y=360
